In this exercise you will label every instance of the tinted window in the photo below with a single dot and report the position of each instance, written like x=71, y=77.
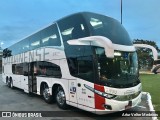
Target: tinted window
x=47, y=69
x=80, y=62
x=50, y=36
x=73, y=27
x=13, y=68
x=46, y=37
x=156, y=62
x=20, y=69
x=25, y=68
x=35, y=40
x=24, y=45
x=107, y=27
x=90, y=24
x=17, y=69
x=17, y=48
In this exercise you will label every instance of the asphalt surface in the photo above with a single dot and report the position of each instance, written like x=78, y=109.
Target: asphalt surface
x=16, y=100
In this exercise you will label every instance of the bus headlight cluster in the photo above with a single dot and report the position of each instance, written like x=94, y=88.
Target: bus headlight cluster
x=103, y=94
x=127, y=97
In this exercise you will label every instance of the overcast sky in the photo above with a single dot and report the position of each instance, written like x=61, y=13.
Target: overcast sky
x=19, y=18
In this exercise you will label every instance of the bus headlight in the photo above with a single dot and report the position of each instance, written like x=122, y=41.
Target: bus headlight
x=127, y=97
x=103, y=94
x=109, y=96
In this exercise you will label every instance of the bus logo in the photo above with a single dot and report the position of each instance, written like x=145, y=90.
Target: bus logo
x=6, y=114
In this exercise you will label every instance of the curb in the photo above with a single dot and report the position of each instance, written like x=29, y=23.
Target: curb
x=145, y=72
x=149, y=100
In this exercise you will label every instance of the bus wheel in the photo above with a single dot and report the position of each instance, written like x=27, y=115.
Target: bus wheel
x=11, y=83
x=61, y=98
x=8, y=82
x=155, y=72
x=46, y=95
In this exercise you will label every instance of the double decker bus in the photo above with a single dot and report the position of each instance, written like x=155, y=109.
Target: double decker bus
x=85, y=60
x=156, y=66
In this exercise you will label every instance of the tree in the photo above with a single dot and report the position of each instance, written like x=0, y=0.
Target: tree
x=145, y=57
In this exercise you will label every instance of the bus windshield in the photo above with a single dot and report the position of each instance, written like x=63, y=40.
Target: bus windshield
x=121, y=71
x=107, y=27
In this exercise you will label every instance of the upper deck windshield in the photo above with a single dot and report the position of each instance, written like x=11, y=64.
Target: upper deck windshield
x=91, y=24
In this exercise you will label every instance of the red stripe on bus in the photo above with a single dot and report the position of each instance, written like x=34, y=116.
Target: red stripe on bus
x=99, y=100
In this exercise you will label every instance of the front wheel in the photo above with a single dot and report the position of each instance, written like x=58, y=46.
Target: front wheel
x=61, y=98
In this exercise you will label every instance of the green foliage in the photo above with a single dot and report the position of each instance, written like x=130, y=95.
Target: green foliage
x=145, y=57
x=151, y=83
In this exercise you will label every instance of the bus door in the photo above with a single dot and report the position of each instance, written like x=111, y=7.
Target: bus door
x=71, y=84
x=81, y=67
x=24, y=83
x=32, y=80
x=85, y=96
x=85, y=81
x=73, y=92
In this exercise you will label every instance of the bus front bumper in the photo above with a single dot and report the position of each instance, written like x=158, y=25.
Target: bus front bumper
x=115, y=106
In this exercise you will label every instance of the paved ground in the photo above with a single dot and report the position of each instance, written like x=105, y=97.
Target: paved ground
x=17, y=100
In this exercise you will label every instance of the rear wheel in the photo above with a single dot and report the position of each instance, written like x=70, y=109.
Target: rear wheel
x=8, y=82
x=11, y=83
x=48, y=98
x=61, y=98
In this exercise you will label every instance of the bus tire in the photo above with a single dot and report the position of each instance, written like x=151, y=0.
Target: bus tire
x=8, y=82
x=155, y=72
x=11, y=83
x=61, y=98
x=46, y=95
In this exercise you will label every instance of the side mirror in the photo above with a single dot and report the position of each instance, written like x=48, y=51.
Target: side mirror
x=99, y=41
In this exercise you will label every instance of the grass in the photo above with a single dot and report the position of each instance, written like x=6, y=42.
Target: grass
x=151, y=84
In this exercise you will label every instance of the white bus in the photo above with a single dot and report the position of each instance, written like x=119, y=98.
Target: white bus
x=156, y=66
x=85, y=60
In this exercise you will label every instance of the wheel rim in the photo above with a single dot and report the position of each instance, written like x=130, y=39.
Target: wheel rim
x=46, y=94
x=61, y=97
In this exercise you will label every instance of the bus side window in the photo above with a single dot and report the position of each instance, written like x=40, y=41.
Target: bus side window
x=34, y=41
x=13, y=68
x=17, y=69
x=48, y=69
x=50, y=36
